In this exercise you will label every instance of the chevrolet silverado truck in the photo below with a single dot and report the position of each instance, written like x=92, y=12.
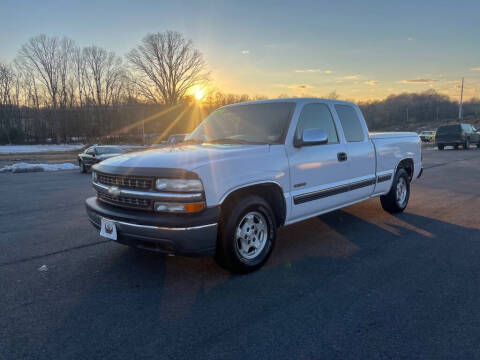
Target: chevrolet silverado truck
x=246, y=170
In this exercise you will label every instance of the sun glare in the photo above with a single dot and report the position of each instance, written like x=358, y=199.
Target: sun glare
x=199, y=94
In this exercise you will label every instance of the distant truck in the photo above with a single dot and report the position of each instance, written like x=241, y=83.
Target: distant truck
x=244, y=171
x=457, y=135
x=427, y=136
x=176, y=139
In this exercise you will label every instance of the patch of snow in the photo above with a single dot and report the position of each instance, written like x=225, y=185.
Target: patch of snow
x=19, y=149
x=43, y=268
x=26, y=167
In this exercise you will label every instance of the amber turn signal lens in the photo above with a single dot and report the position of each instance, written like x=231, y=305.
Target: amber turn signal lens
x=194, y=207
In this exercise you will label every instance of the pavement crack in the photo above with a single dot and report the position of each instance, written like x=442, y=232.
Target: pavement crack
x=53, y=253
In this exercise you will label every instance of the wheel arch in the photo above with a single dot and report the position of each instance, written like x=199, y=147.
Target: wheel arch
x=270, y=191
x=407, y=164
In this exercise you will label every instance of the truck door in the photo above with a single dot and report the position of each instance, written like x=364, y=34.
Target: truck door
x=360, y=151
x=319, y=173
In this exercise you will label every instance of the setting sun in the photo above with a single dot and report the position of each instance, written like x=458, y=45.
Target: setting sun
x=199, y=93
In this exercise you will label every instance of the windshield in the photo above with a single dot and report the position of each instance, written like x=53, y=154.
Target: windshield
x=109, y=150
x=264, y=123
x=449, y=130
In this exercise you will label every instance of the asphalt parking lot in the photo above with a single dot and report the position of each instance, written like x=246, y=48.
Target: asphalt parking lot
x=355, y=283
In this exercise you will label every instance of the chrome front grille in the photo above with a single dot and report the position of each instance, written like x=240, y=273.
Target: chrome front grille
x=126, y=202
x=126, y=181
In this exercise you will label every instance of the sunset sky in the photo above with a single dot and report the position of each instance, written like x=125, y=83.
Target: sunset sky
x=360, y=49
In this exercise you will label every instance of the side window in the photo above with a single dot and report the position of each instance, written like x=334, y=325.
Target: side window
x=90, y=151
x=317, y=116
x=467, y=128
x=352, y=127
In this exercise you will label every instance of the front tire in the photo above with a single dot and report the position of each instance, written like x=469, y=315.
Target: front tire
x=397, y=198
x=83, y=168
x=247, y=235
x=466, y=145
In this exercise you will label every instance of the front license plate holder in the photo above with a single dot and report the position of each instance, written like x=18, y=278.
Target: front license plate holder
x=108, y=229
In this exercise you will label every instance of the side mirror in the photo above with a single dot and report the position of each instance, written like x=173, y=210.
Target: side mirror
x=312, y=137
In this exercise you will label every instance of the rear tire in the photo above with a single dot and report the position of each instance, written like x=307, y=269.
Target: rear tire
x=440, y=147
x=397, y=198
x=246, y=235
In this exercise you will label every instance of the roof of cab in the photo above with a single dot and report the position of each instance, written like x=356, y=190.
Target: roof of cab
x=295, y=100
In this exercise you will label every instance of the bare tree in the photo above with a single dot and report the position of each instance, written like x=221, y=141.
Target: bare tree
x=167, y=66
x=103, y=75
x=49, y=58
x=7, y=84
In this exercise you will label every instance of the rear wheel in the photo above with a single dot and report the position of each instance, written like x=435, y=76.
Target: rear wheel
x=440, y=147
x=397, y=198
x=246, y=235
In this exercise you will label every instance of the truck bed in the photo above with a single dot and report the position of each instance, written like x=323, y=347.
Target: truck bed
x=391, y=135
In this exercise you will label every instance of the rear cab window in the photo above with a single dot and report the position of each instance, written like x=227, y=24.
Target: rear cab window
x=351, y=124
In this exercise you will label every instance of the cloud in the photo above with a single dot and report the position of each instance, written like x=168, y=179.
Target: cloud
x=245, y=52
x=475, y=69
x=410, y=39
x=328, y=71
x=350, y=77
x=418, y=81
x=371, y=82
x=300, y=87
x=308, y=71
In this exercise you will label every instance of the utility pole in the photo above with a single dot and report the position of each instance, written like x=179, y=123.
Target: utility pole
x=143, y=131
x=407, y=114
x=460, y=112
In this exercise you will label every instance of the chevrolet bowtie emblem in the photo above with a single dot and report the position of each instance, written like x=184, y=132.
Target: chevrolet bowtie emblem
x=114, y=191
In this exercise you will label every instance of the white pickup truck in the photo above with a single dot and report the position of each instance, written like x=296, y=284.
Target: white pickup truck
x=244, y=171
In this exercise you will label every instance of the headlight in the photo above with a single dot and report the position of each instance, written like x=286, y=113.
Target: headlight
x=179, y=207
x=94, y=176
x=178, y=185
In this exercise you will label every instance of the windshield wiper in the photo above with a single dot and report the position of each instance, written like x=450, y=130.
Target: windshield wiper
x=228, y=141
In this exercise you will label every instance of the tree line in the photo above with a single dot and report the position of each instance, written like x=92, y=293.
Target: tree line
x=57, y=91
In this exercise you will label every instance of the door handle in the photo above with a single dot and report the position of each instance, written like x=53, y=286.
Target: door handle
x=341, y=156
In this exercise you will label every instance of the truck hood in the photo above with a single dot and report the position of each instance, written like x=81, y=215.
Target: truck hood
x=186, y=157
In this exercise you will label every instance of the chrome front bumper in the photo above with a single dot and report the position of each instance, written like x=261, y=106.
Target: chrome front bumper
x=146, y=231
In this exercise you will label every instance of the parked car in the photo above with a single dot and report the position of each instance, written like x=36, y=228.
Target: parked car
x=246, y=170
x=427, y=136
x=457, y=134
x=96, y=153
x=176, y=139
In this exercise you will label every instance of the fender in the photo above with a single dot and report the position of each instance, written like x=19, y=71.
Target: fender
x=242, y=186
